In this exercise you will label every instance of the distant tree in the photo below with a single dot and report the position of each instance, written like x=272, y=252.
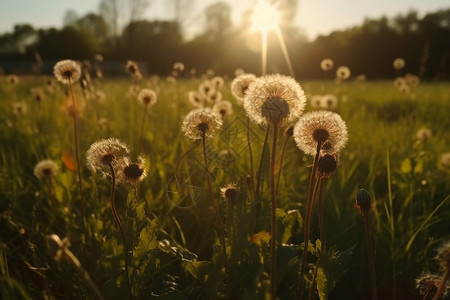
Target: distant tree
x=70, y=17
x=182, y=10
x=218, y=21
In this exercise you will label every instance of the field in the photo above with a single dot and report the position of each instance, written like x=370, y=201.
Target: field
x=172, y=243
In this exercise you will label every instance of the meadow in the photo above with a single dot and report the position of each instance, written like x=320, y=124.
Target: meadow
x=397, y=151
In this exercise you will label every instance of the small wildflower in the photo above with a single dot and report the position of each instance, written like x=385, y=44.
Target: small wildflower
x=327, y=64
x=201, y=121
x=105, y=153
x=67, y=71
x=398, y=63
x=240, y=84
x=46, y=169
x=363, y=202
x=320, y=127
x=147, y=97
x=274, y=99
x=342, y=73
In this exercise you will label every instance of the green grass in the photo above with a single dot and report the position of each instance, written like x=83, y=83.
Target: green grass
x=176, y=253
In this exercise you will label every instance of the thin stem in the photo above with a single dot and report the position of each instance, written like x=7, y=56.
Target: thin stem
x=307, y=222
x=320, y=214
x=281, y=162
x=373, y=283
x=119, y=226
x=252, y=174
x=218, y=216
x=273, y=216
x=77, y=155
x=259, y=174
x=442, y=285
x=141, y=137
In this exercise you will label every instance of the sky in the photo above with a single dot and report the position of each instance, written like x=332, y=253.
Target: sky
x=314, y=17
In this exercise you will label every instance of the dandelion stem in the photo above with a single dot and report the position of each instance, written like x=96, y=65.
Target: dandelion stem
x=141, y=137
x=373, y=284
x=259, y=174
x=281, y=162
x=221, y=230
x=307, y=222
x=252, y=174
x=119, y=226
x=442, y=285
x=77, y=155
x=320, y=214
x=273, y=216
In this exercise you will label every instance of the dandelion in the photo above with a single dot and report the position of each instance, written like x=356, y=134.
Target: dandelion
x=327, y=64
x=423, y=134
x=274, y=99
x=147, y=97
x=317, y=127
x=37, y=94
x=412, y=80
x=46, y=169
x=223, y=108
x=201, y=122
x=342, y=73
x=133, y=68
x=213, y=96
x=326, y=165
x=360, y=78
x=240, y=84
x=230, y=192
x=133, y=173
x=98, y=58
x=217, y=82
x=238, y=72
x=398, y=63
x=329, y=101
x=20, y=108
x=443, y=258
x=67, y=71
x=445, y=160
x=205, y=87
x=12, y=79
x=196, y=98
x=178, y=66
x=427, y=286
x=399, y=82
x=106, y=154
x=316, y=101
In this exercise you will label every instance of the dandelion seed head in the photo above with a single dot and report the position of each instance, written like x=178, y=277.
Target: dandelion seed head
x=230, y=192
x=343, y=72
x=329, y=101
x=46, y=169
x=105, y=153
x=423, y=134
x=274, y=99
x=427, y=286
x=67, y=71
x=217, y=82
x=443, y=256
x=445, y=160
x=133, y=173
x=147, y=97
x=20, y=108
x=205, y=87
x=213, y=96
x=327, y=64
x=223, y=108
x=240, y=84
x=320, y=126
x=178, y=66
x=398, y=63
x=12, y=79
x=133, y=68
x=201, y=121
x=196, y=98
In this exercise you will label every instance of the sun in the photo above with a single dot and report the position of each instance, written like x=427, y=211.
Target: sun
x=265, y=17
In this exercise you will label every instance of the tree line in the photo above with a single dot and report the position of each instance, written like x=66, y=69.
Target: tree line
x=368, y=48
